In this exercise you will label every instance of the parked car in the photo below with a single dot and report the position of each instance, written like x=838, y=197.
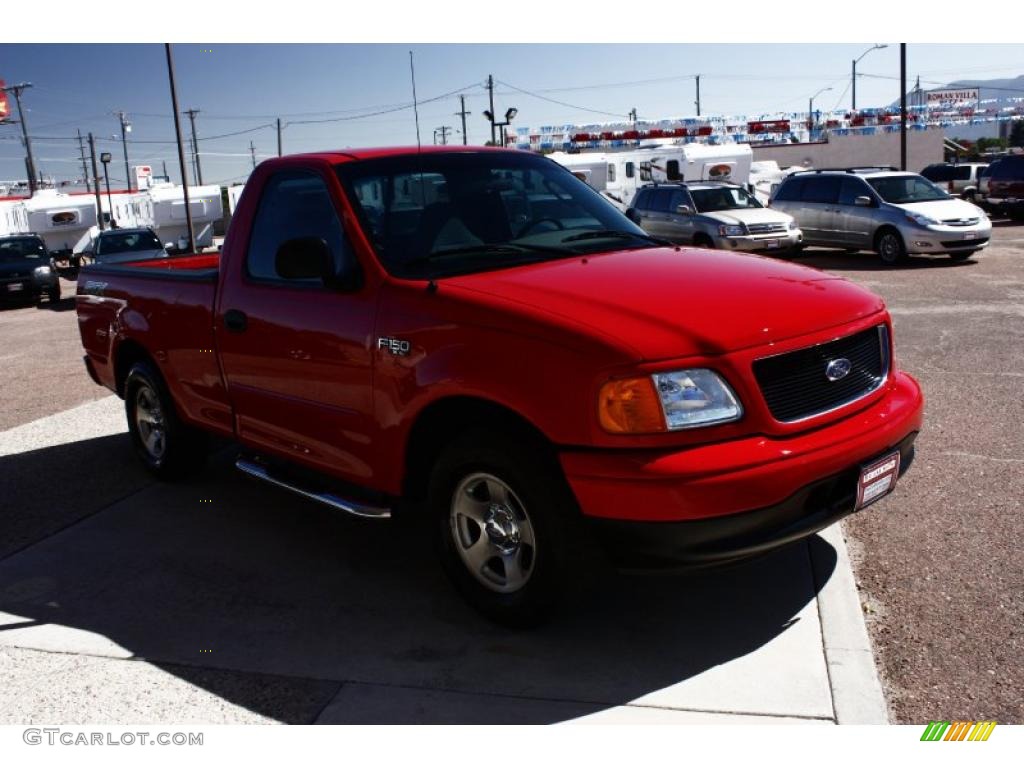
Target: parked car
x=475, y=338
x=26, y=273
x=1004, y=187
x=713, y=215
x=962, y=179
x=893, y=213
x=113, y=246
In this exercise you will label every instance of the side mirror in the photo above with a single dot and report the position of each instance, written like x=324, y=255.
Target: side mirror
x=684, y=210
x=305, y=258
x=863, y=201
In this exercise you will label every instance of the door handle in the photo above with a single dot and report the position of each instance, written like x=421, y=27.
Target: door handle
x=235, y=320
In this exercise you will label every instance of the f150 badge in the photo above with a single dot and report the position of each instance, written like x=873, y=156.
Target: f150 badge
x=399, y=347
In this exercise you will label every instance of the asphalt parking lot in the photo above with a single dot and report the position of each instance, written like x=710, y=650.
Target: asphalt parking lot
x=219, y=600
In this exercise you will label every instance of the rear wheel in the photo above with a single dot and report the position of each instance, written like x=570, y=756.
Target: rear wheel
x=53, y=295
x=890, y=248
x=168, y=447
x=505, y=525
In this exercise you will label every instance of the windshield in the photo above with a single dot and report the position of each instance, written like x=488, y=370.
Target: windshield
x=126, y=242
x=722, y=199
x=906, y=189
x=440, y=214
x=21, y=248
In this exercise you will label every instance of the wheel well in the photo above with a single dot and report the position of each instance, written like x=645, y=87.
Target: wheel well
x=128, y=354
x=701, y=238
x=882, y=230
x=441, y=421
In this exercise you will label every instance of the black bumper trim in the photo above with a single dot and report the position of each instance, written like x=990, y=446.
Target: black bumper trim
x=636, y=545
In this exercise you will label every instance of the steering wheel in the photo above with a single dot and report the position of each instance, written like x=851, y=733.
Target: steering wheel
x=531, y=224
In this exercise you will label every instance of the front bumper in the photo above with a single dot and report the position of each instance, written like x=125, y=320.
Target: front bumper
x=719, y=502
x=773, y=243
x=939, y=239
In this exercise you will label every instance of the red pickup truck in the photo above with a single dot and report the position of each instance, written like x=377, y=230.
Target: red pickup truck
x=476, y=336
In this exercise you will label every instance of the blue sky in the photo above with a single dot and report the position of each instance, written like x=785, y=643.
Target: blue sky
x=238, y=87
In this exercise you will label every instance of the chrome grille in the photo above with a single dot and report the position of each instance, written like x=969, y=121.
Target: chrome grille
x=795, y=385
x=765, y=229
x=961, y=222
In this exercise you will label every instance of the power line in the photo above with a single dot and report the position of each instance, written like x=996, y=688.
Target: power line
x=562, y=103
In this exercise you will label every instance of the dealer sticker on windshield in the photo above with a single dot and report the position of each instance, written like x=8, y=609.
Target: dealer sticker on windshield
x=877, y=479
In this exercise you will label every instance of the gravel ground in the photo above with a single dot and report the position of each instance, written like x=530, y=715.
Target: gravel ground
x=939, y=563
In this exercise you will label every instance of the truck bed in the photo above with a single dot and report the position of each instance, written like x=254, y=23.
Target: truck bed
x=165, y=307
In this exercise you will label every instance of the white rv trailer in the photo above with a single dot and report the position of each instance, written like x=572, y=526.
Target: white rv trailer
x=169, y=219
x=617, y=175
x=65, y=222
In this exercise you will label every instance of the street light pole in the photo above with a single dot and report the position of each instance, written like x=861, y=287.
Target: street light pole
x=810, y=107
x=853, y=78
x=96, y=182
x=30, y=165
x=105, y=158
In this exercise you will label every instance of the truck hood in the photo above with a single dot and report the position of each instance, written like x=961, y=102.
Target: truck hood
x=749, y=216
x=944, y=209
x=662, y=303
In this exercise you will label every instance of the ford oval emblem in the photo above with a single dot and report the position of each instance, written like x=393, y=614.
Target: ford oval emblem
x=837, y=369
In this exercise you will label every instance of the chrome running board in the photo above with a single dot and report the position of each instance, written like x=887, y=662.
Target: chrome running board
x=345, y=505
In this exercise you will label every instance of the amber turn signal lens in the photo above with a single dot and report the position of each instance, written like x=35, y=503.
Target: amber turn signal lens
x=630, y=406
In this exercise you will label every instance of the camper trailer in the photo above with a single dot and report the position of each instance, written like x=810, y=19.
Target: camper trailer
x=618, y=175
x=169, y=220
x=65, y=222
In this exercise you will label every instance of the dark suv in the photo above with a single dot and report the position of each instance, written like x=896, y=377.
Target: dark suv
x=26, y=273
x=1004, y=192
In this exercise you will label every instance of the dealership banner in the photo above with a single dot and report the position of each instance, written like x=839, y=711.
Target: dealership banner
x=4, y=105
x=950, y=98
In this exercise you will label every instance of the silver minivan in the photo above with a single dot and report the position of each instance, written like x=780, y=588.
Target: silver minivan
x=893, y=213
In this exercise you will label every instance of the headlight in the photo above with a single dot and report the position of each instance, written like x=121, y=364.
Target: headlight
x=43, y=271
x=921, y=219
x=666, y=402
x=792, y=226
x=731, y=230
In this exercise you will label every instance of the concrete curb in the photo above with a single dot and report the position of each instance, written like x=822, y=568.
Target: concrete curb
x=857, y=696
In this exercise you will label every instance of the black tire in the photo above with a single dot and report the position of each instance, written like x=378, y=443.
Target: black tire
x=169, y=448
x=889, y=247
x=536, y=518
x=53, y=295
x=703, y=241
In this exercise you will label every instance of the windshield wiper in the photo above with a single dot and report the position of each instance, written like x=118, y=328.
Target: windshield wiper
x=594, y=234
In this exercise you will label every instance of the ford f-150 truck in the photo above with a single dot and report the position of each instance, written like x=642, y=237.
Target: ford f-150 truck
x=476, y=336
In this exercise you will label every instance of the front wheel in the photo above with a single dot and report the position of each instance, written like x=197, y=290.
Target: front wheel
x=890, y=248
x=504, y=521
x=169, y=448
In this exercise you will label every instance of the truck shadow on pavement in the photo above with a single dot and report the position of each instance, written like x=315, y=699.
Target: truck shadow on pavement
x=280, y=606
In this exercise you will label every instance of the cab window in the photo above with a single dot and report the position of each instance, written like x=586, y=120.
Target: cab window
x=293, y=205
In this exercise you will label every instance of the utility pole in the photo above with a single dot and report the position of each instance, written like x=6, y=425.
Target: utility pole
x=181, y=147
x=903, y=106
x=252, y=150
x=490, y=93
x=166, y=175
x=444, y=130
x=462, y=113
x=279, y=137
x=30, y=163
x=125, y=127
x=195, y=145
x=85, y=166
x=96, y=182
x=698, y=95
x=192, y=154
